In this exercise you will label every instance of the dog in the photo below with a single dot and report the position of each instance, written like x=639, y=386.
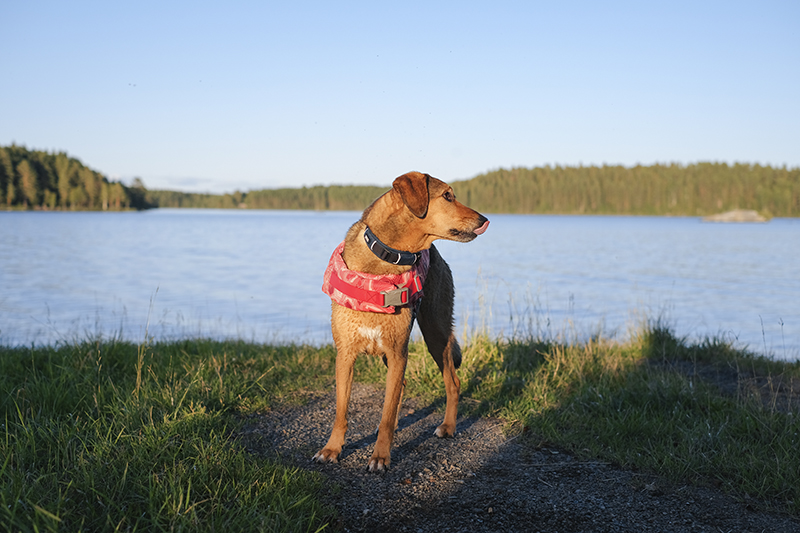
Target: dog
x=385, y=274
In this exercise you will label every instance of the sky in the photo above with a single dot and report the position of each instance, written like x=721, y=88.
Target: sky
x=242, y=95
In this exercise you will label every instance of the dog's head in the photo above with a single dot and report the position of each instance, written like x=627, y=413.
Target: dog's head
x=434, y=205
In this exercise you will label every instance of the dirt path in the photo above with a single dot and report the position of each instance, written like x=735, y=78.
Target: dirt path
x=482, y=481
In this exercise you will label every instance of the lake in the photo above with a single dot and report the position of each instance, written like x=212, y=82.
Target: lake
x=256, y=275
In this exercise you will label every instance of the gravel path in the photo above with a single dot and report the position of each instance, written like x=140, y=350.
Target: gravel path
x=482, y=481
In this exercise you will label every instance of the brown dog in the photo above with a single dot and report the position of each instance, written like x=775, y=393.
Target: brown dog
x=393, y=237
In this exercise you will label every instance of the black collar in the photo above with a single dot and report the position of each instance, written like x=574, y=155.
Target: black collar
x=390, y=255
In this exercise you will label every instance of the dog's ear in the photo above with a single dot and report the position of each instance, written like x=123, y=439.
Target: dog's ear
x=413, y=189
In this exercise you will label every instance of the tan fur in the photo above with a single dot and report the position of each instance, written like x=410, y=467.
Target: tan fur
x=416, y=211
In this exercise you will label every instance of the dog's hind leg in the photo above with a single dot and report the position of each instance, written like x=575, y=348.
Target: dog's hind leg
x=435, y=318
x=445, y=357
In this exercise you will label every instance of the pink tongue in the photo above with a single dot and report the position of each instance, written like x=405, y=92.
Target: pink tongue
x=480, y=230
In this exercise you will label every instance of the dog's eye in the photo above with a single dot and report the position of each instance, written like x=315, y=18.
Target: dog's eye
x=449, y=196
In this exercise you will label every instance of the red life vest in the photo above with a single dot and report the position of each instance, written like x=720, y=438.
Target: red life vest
x=371, y=292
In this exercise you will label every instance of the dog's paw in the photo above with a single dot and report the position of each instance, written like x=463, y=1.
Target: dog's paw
x=445, y=430
x=326, y=455
x=378, y=464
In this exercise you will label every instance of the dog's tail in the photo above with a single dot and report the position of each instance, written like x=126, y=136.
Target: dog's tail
x=440, y=344
x=455, y=351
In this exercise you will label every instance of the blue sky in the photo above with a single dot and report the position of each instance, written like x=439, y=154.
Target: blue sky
x=203, y=96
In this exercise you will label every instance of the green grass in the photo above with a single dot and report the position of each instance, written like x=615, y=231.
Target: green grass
x=657, y=404
x=111, y=436
x=107, y=436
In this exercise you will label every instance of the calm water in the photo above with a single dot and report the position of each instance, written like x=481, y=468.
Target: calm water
x=256, y=275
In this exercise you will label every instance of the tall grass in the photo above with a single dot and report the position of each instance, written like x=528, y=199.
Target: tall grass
x=115, y=437
x=688, y=412
x=109, y=436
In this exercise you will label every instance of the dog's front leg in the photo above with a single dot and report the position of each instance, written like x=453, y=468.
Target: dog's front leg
x=395, y=381
x=344, y=384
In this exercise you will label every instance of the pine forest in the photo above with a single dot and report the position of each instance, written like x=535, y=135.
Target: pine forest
x=55, y=181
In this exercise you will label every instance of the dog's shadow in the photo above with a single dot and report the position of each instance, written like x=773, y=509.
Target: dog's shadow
x=426, y=419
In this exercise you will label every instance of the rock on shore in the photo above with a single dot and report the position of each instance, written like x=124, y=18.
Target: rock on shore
x=737, y=215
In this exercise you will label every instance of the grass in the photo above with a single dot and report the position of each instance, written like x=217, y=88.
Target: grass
x=115, y=437
x=702, y=413
x=111, y=436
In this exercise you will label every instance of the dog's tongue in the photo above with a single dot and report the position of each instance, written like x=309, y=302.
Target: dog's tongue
x=480, y=230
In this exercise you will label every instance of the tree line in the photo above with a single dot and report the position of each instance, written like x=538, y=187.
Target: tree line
x=35, y=179
x=668, y=190
x=32, y=179
x=317, y=198
x=678, y=190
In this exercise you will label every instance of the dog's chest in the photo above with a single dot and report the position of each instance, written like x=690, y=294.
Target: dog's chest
x=371, y=339
x=356, y=332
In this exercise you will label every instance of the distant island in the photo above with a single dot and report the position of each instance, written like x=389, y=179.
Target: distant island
x=737, y=215
x=31, y=179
